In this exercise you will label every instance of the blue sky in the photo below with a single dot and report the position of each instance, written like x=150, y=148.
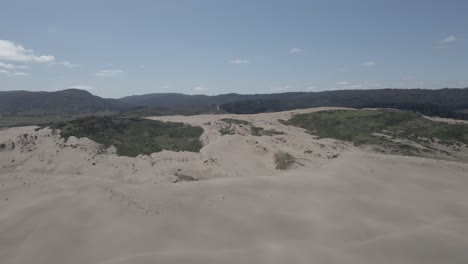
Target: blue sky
x=118, y=48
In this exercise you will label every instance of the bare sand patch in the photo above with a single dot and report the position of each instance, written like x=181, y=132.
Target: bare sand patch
x=69, y=202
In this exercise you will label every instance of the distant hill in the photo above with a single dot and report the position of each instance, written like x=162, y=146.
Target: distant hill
x=166, y=111
x=166, y=100
x=442, y=102
x=66, y=102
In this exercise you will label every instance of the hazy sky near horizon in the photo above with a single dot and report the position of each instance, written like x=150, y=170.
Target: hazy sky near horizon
x=118, y=48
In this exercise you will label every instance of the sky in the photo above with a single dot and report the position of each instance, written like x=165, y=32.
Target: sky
x=118, y=48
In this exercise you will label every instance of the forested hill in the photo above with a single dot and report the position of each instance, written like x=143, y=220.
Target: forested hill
x=70, y=102
x=442, y=102
x=167, y=100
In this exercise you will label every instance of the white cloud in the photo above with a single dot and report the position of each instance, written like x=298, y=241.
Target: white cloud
x=11, y=51
x=11, y=66
x=82, y=87
x=295, y=50
x=109, y=73
x=19, y=74
x=312, y=88
x=369, y=63
x=68, y=64
x=449, y=40
x=199, y=89
x=239, y=61
x=8, y=73
x=348, y=85
x=282, y=88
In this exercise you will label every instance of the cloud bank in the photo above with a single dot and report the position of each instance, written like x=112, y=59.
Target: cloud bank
x=10, y=51
x=449, y=40
x=295, y=50
x=109, y=73
x=368, y=63
x=239, y=61
x=199, y=89
x=82, y=87
x=8, y=73
x=11, y=66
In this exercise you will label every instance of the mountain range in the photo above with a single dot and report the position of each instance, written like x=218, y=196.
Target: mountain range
x=66, y=102
x=447, y=102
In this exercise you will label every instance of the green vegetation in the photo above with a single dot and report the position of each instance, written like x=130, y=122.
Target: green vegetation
x=15, y=121
x=259, y=131
x=254, y=130
x=230, y=130
x=30, y=108
x=236, y=121
x=2, y=146
x=184, y=178
x=381, y=127
x=441, y=102
x=227, y=131
x=134, y=136
x=283, y=160
x=67, y=102
x=37, y=118
x=449, y=103
x=283, y=122
x=270, y=132
x=162, y=111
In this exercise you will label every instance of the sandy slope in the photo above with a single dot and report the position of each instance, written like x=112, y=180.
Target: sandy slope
x=338, y=204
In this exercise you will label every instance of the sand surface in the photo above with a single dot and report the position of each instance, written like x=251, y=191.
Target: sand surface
x=68, y=202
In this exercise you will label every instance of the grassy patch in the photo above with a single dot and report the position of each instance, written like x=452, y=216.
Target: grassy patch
x=236, y=121
x=254, y=130
x=227, y=131
x=271, y=132
x=134, y=136
x=283, y=122
x=37, y=118
x=233, y=122
x=363, y=126
x=16, y=121
x=258, y=131
x=184, y=178
x=283, y=160
x=162, y=111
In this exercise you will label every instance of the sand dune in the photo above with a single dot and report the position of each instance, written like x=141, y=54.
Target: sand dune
x=72, y=202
